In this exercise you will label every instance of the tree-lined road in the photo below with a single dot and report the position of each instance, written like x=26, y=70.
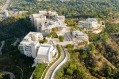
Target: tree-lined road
x=53, y=67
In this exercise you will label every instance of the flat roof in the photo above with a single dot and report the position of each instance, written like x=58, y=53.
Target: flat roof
x=28, y=40
x=79, y=32
x=44, y=50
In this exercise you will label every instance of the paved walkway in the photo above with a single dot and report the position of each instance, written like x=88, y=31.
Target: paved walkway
x=3, y=42
x=12, y=76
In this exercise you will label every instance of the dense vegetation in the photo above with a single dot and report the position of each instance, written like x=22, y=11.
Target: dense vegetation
x=112, y=28
x=75, y=9
x=72, y=69
x=38, y=71
x=15, y=27
x=11, y=60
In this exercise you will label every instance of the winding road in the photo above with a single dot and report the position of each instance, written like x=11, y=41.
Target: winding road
x=52, y=69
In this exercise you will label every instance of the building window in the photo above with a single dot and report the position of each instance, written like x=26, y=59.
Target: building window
x=28, y=48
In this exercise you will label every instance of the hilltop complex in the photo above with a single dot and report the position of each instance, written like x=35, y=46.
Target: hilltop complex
x=45, y=21
x=42, y=47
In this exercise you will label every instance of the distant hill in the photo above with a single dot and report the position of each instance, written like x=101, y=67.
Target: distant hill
x=71, y=8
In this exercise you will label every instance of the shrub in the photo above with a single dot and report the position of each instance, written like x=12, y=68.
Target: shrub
x=104, y=36
x=54, y=29
x=43, y=41
x=61, y=38
x=58, y=48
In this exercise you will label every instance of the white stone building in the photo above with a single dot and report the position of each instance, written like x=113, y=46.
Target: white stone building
x=29, y=45
x=45, y=21
x=92, y=25
x=42, y=53
x=46, y=54
x=80, y=36
x=89, y=23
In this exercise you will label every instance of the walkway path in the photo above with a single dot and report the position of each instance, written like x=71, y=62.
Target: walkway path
x=12, y=76
x=3, y=42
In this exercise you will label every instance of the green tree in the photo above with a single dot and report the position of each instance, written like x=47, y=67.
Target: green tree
x=69, y=71
x=92, y=47
x=104, y=36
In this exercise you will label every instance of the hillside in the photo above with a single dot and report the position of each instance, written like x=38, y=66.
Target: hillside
x=99, y=60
